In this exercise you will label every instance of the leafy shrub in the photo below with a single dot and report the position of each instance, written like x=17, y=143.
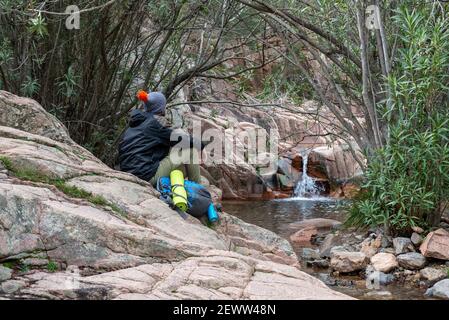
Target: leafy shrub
x=407, y=181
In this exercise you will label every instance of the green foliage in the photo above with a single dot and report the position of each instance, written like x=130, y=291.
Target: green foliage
x=407, y=181
x=9, y=264
x=38, y=26
x=30, y=87
x=214, y=113
x=279, y=84
x=68, y=83
x=6, y=162
x=24, y=268
x=52, y=266
x=30, y=174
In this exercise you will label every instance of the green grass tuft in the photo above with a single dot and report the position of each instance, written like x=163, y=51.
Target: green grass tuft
x=24, y=268
x=6, y=162
x=33, y=175
x=52, y=266
x=9, y=264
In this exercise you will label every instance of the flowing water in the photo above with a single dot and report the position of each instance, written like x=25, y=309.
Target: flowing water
x=277, y=215
x=308, y=203
x=306, y=187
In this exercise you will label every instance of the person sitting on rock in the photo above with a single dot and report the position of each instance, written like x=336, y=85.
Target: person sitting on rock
x=147, y=146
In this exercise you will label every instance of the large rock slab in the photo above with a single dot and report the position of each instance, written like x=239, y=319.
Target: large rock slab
x=217, y=275
x=436, y=245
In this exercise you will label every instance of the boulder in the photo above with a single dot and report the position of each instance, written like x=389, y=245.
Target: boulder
x=412, y=260
x=433, y=274
x=309, y=254
x=436, y=245
x=439, y=290
x=12, y=286
x=331, y=240
x=27, y=115
x=371, y=246
x=416, y=238
x=5, y=273
x=345, y=262
x=304, y=236
x=384, y=262
x=403, y=245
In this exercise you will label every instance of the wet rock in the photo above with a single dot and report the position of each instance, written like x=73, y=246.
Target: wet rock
x=378, y=295
x=310, y=254
x=319, y=223
x=5, y=273
x=416, y=239
x=321, y=263
x=330, y=241
x=377, y=278
x=439, y=290
x=388, y=250
x=403, y=245
x=411, y=260
x=12, y=286
x=384, y=262
x=371, y=246
x=433, y=274
x=304, y=236
x=436, y=245
x=345, y=262
x=344, y=247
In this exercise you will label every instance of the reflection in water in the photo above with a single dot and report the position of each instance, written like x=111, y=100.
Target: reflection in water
x=278, y=214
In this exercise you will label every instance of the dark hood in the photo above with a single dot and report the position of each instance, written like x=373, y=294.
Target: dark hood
x=136, y=118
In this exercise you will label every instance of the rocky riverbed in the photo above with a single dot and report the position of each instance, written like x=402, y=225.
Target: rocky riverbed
x=364, y=264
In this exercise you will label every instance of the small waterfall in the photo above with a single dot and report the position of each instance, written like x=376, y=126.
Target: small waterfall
x=306, y=187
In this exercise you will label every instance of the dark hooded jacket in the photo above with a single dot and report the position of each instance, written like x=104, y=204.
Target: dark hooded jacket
x=145, y=143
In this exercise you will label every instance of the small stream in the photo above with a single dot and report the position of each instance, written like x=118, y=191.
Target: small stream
x=276, y=215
